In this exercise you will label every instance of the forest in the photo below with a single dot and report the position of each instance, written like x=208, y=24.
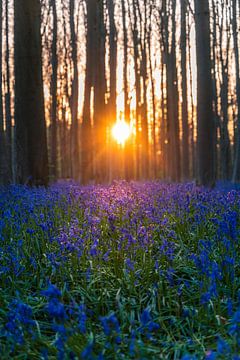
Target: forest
x=119, y=179
x=167, y=70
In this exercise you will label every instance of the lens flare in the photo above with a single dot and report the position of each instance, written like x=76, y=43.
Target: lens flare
x=121, y=132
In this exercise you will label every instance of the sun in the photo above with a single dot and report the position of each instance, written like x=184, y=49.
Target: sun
x=121, y=132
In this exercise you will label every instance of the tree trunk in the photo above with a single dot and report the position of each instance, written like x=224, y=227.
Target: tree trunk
x=128, y=150
x=185, y=128
x=154, y=162
x=144, y=107
x=172, y=104
x=205, y=116
x=236, y=167
x=31, y=142
x=74, y=96
x=112, y=102
x=9, y=140
x=54, y=92
x=100, y=124
x=2, y=135
x=86, y=132
x=137, y=89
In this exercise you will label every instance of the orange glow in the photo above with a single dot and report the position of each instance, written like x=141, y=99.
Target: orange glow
x=121, y=131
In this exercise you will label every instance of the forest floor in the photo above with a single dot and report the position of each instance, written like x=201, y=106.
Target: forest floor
x=127, y=271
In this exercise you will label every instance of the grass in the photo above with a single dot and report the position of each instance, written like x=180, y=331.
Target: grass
x=127, y=271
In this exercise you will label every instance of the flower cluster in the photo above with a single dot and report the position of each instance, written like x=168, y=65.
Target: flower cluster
x=130, y=270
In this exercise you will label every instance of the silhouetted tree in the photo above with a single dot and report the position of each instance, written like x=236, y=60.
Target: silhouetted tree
x=31, y=143
x=205, y=117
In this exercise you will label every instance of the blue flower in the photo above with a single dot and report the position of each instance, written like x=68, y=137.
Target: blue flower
x=51, y=292
x=87, y=352
x=110, y=324
x=19, y=320
x=147, y=324
x=223, y=347
x=234, y=329
x=56, y=310
x=82, y=319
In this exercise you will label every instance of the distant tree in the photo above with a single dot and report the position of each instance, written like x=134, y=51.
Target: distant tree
x=128, y=156
x=54, y=85
x=136, y=55
x=8, y=110
x=153, y=92
x=112, y=100
x=169, y=46
x=99, y=113
x=235, y=16
x=31, y=143
x=86, y=131
x=74, y=100
x=224, y=57
x=185, y=127
x=205, y=116
x=2, y=135
x=143, y=17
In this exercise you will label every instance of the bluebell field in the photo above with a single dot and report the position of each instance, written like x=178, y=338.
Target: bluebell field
x=127, y=271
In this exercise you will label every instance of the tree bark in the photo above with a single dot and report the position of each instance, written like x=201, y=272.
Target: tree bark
x=86, y=132
x=205, y=116
x=185, y=126
x=2, y=134
x=54, y=92
x=112, y=101
x=31, y=142
x=100, y=124
x=236, y=167
x=74, y=96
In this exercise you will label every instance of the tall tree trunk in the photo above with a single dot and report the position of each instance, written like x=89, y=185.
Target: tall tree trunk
x=113, y=61
x=137, y=88
x=99, y=94
x=8, y=112
x=172, y=103
x=86, y=132
x=192, y=133
x=185, y=127
x=128, y=156
x=74, y=96
x=154, y=125
x=54, y=92
x=205, y=117
x=215, y=64
x=112, y=102
x=144, y=107
x=31, y=142
x=236, y=167
x=2, y=140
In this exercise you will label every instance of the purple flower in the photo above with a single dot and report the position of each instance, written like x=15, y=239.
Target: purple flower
x=110, y=324
x=51, y=292
x=56, y=310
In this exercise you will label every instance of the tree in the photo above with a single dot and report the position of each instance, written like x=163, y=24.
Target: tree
x=128, y=150
x=236, y=168
x=8, y=111
x=54, y=82
x=185, y=128
x=31, y=142
x=205, y=117
x=99, y=113
x=169, y=46
x=112, y=101
x=86, y=133
x=225, y=148
x=74, y=95
x=2, y=135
